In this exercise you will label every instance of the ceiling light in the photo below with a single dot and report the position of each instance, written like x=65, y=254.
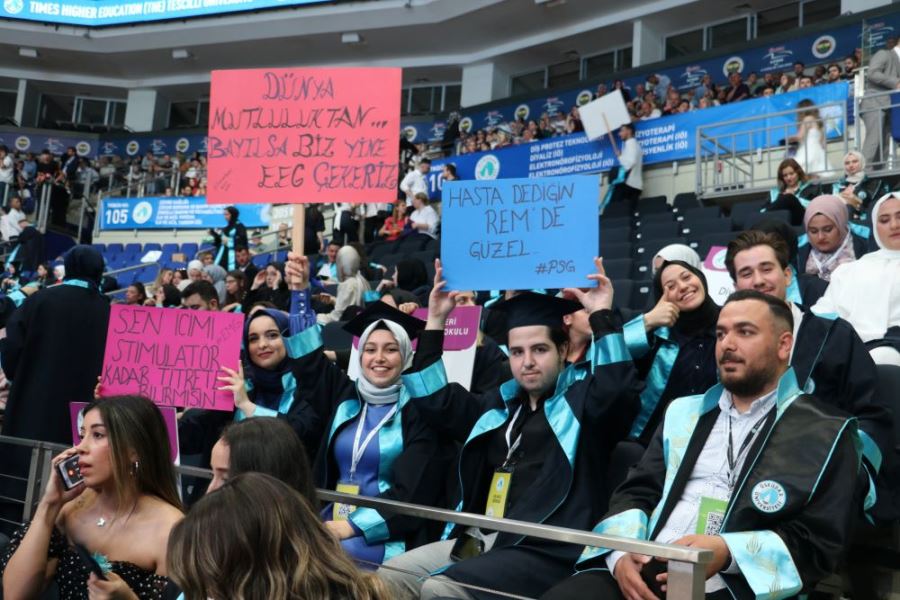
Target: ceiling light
x=180, y=54
x=351, y=38
x=28, y=53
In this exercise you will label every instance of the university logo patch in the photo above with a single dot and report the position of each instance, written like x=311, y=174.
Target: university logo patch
x=768, y=496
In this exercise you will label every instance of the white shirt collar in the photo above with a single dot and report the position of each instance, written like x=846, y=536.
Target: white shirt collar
x=897, y=51
x=758, y=408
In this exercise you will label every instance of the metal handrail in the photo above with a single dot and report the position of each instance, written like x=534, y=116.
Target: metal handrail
x=131, y=268
x=686, y=566
x=712, y=147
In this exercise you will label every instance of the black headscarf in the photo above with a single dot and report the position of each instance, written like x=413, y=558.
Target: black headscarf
x=85, y=263
x=701, y=319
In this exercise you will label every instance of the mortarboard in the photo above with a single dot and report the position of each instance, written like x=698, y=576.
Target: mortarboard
x=529, y=308
x=379, y=311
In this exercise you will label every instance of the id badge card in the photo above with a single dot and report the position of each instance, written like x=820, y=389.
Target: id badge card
x=498, y=493
x=340, y=512
x=712, y=513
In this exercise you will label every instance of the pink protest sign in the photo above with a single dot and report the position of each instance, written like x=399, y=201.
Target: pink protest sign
x=169, y=414
x=461, y=330
x=303, y=135
x=170, y=355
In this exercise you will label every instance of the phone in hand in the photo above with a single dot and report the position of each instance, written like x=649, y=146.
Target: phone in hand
x=89, y=562
x=70, y=473
x=649, y=573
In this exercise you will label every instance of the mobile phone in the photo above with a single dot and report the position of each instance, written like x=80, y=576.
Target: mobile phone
x=70, y=473
x=468, y=545
x=89, y=561
x=649, y=573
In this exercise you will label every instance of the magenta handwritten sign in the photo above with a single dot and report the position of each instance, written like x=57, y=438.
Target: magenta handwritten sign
x=169, y=416
x=170, y=355
x=461, y=330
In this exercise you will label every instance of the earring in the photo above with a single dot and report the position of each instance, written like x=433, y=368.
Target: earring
x=135, y=466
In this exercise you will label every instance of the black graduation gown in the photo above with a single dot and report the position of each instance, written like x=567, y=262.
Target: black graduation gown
x=829, y=352
x=52, y=354
x=491, y=367
x=590, y=412
x=782, y=545
x=238, y=235
x=418, y=472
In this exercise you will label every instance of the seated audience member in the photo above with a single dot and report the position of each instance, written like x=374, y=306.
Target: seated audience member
x=235, y=291
x=135, y=294
x=856, y=188
x=395, y=224
x=793, y=192
x=673, y=345
x=195, y=270
x=262, y=445
x=243, y=262
x=352, y=286
x=128, y=494
x=827, y=353
x=167, y=296
x=676, y=252
x=255, y=537
x=216, y=275
x=200, y=295
x=371, y=422
x=266, y=385
x=804, y=289
x=715, y=477
x=10, y=223
x=829, y=241
x=867, y=292
x=328, y=267
x=545, y=436
x=423, y=219
x=269, y=286
x=180, y=279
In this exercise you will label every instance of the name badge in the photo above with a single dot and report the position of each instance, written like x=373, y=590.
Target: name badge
x=498, y=494
x=340, y=512
x=712, y=513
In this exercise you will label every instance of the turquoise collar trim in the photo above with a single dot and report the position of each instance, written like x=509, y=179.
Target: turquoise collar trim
x=78, y=283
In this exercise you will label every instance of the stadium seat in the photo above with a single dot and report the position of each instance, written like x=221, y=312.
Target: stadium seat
x=132, y=249
x=170, y=248
x=617, y=209
x=654, y=204
x=617, y=268
x=189, y=250
x=115, y=248
x=657, y=231
x=641, y=269
x=646, y=249
x=622, y=292
x=685, y=201
x=700, y=212
x=615, y=236
x=741, y=213
x=151, y=246
x=614, y=222
x=614, y=251
x=703, y=243
x=693, y=229
x=653, y=219
x=641, y=295
x=781, y=215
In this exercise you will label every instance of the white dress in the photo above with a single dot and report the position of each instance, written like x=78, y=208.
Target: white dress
x=811, y=151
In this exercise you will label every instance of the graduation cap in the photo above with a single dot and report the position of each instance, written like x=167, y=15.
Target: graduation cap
x=529, y=308
x=379, y=311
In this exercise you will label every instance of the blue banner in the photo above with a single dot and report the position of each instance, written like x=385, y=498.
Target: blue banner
x=138, y=145
x=178, y=212
x=25, y=140
x=98, y=13
x=515, y=234
x=814, y=48
x=665, y=139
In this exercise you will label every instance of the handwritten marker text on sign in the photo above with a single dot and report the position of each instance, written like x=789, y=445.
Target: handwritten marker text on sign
x=172, y=356
x=519, y=233
x=304, y=135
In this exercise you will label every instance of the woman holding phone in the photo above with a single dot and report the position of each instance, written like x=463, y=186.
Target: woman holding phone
x=127, y=492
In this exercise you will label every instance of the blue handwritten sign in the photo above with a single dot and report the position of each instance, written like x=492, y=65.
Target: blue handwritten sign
x=516, y=234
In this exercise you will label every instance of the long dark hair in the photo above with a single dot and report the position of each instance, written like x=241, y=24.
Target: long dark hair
x=241, y=279
x=136, y=427
x=269, y=446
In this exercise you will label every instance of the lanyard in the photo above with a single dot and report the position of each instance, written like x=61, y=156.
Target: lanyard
x=745, y=447
x=511, y=448
x=359, y=450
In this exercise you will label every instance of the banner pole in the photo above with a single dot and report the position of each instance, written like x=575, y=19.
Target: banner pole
x=298, y=237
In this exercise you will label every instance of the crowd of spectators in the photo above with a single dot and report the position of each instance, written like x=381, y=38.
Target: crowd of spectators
x=654, y=98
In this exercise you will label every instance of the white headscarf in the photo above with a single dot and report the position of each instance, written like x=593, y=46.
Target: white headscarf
x=194, y=265
x=369, y=392
x=866, y=292
x=678, y=252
